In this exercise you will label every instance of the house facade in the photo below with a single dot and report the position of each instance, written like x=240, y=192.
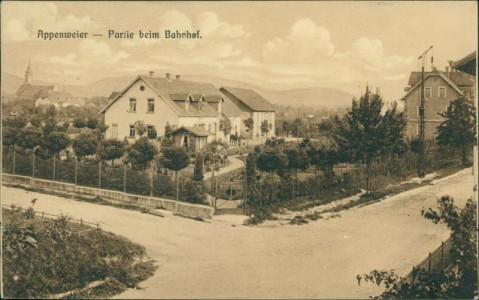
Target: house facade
x=253, y=106
x=440, y=88
x=158, y=102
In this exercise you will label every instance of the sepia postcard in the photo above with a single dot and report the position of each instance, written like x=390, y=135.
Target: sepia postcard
x=239, y=149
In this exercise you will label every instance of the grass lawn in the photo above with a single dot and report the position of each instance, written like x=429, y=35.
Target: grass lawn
x=46, y=257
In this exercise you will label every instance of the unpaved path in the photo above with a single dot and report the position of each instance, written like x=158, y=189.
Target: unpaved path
x=317, y=260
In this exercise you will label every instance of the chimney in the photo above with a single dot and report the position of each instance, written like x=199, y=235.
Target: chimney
x=168, y=76
x=152, y=73
x=447, y=72
x=178, y=77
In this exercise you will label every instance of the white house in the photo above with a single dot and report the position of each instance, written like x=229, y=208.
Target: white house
x=158, y=102
x=253, y=106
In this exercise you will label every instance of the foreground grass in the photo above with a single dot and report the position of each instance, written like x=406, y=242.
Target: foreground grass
x=52, y=257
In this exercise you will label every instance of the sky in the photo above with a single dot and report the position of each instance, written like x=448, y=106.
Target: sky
x=280, y=45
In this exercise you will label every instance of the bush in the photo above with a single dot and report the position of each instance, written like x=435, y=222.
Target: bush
x=192, y=191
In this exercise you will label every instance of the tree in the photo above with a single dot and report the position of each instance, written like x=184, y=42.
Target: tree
x=458, y=130
x=286, y=128
x=175, y=159
x=249, y=124
x=271, y=159
x=225, y=125
x=297, y=127
x=198, y=171
x=297, y=158
x=10, y=136
x=55, y=142
x=30, y=137
x=16, y=122
x=79, y=122
x=459, y=281
x=265, y=127
x=91, y=123
x=364, y=132
x=111, y=149
x=140, y=128
x=85, y=144
x=141, y=153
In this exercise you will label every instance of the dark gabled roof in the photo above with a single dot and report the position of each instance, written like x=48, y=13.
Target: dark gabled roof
x=196, y=131
x=113, y=95
x=467, y=64
x=34, y=91
x=229, y=109
x=250, y=98
x=174, y=92
x=459, y=78
x=443, y=75
x=213, y=98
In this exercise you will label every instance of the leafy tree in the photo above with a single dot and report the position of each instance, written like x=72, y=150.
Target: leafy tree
x=152, y=134
x=85, y=144
x=297, y=158
x=16, y=122
x=111, y=149
x=141, y=153
x=55, y=142
x=198, y=170
x=364, y=132
x=251, y=176
x=10, y=136
x=225, y=125
x=91, y=123
x=175, y=159
x=36, y=120
x=297, y=127
x=460, y=281
x=30, y=137
x=271, y=159
x=140, y=128
x=79, y=122
x=249, y=124
x=168, y=129
x=458, y=130
x=265, y=127
x=286, y=128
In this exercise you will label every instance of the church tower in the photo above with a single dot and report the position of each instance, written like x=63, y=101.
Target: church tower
x=28, y=75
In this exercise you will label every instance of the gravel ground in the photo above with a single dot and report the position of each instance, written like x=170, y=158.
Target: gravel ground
x=222, y=259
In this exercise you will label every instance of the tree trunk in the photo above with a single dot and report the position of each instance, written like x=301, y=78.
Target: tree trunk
x=177, y=185
x=368, y=177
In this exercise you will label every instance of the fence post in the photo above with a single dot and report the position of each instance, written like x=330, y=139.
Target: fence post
x=124, y=178
x=14, y=151
x=53, y=176
x=429, y=263
x=76, y=170
x=151, y=183
x=99, y=174
x=33, y=164
x=442, y=255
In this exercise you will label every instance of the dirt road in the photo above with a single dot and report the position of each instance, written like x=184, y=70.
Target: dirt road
x=317, y=260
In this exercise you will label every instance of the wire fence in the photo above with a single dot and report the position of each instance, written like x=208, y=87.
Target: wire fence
x=43, y=215
x=98, y=174
x=438, y=261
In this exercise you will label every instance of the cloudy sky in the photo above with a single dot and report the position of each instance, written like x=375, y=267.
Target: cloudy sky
x=275, y=44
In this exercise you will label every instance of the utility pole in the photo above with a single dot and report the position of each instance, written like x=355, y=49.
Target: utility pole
x=420, y=167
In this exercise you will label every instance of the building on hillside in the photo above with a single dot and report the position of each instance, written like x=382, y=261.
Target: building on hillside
x=253, y=106
x=466, y=64
x=158, y=102
x=45, y=94
x=440, y=88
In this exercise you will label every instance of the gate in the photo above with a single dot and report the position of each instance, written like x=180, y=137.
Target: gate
x=230, y=194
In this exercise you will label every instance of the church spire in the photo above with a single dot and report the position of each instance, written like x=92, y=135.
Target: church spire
x=28, y=74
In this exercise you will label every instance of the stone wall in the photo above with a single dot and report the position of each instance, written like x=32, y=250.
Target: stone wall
x=183, y=208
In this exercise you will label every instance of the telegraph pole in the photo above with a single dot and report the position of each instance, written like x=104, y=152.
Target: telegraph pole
x=422, y=125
